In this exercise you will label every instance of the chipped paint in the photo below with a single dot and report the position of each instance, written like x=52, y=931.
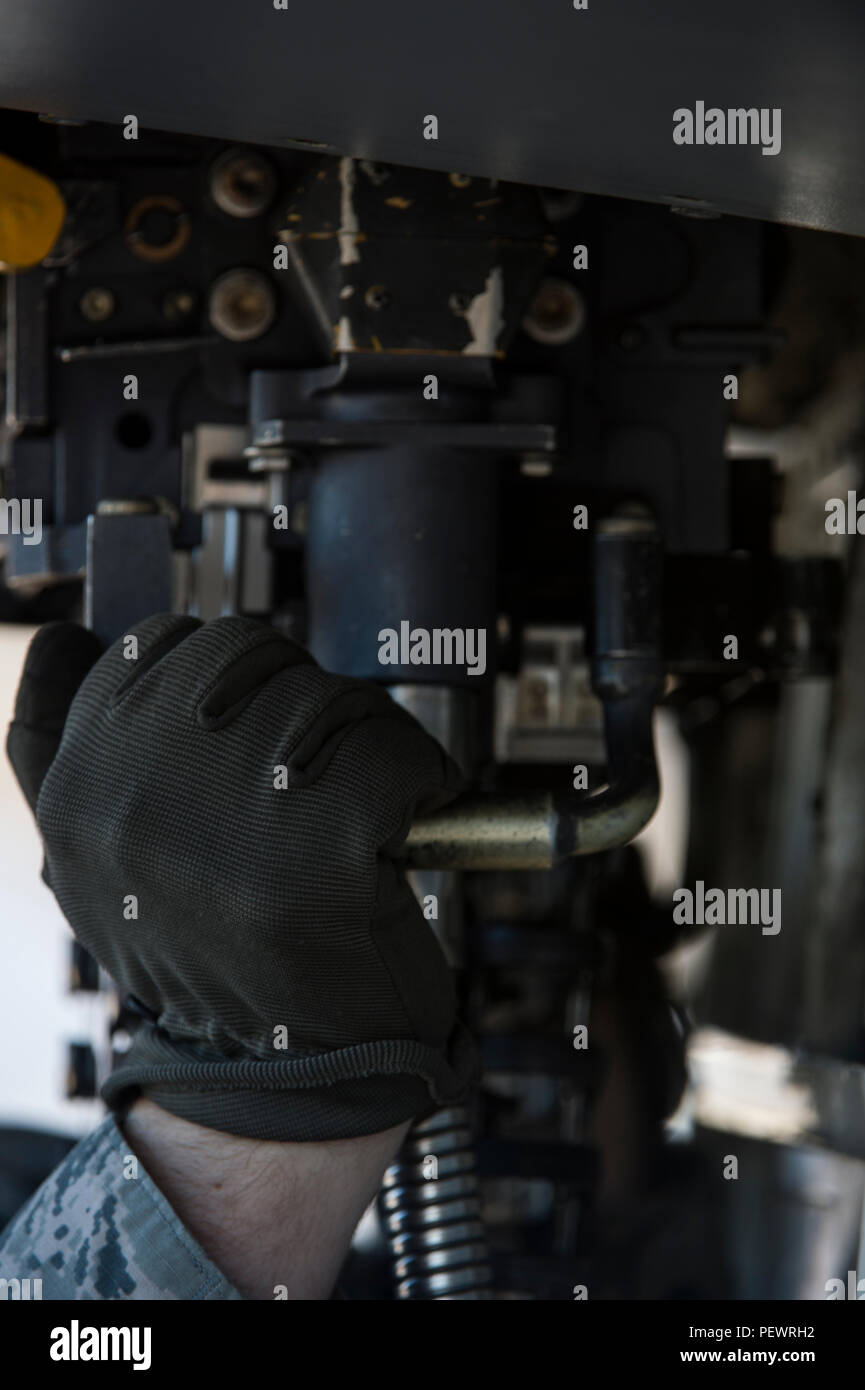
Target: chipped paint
x=344, y=341
x=348, y=252
x=290, y=234
x=485, y=318
x=397, y=202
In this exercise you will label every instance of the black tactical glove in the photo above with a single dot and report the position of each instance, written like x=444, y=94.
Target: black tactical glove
x=221, y=819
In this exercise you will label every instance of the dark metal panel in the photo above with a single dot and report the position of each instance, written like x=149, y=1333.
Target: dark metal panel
x=540, y=93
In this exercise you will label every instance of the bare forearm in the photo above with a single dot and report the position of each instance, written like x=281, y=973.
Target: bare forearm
x=270, y=1215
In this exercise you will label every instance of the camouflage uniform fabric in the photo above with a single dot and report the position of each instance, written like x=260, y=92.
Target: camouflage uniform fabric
x=90, y=1232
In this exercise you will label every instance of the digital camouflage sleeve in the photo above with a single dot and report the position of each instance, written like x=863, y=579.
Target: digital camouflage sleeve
x=99, y=1228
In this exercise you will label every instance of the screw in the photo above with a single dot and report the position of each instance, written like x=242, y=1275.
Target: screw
x=178, y=304
x=97, y=304
x=459, y=180
x=241, y=305
x=242, y=183
x=556, y=313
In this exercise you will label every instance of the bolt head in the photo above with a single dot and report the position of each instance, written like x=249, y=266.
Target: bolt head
x=556, y=314
x=242, y=305
x=97, y=304
x=242, y=183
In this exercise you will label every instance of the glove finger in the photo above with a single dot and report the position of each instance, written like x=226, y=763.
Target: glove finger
x=352, y=702
x=129, y=658
x=58, y=659
x=210, y=669
x=405, y=771
x=144, y=646
x=233, y=658
x=443, y=780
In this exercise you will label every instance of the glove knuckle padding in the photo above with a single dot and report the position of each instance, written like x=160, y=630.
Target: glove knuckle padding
x=259, y=905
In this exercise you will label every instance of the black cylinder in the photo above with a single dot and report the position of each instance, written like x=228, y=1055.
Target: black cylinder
x=401, y=565
x=627, y=609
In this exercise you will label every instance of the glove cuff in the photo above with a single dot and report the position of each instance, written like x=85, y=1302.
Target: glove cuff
x=340, y=1094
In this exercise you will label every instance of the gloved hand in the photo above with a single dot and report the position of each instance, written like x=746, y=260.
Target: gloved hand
x=221, y=820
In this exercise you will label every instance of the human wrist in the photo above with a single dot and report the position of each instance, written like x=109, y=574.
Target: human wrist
x=276, y=1218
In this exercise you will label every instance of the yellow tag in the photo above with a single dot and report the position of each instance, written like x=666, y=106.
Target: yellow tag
x=31, y=215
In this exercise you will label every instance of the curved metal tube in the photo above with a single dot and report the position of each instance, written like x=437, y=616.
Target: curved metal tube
x=539, y=829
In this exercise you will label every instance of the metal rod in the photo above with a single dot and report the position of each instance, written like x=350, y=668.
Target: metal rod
x=496, y=832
